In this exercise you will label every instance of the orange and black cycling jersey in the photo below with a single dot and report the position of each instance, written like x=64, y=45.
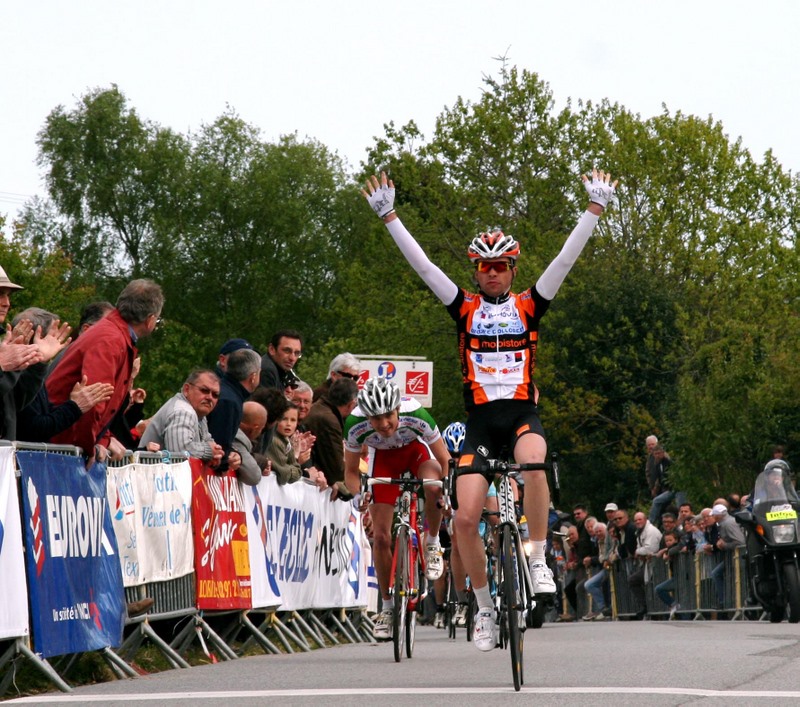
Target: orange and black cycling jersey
x=497, y=345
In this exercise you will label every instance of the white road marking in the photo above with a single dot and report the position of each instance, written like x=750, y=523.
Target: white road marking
x=344, y=692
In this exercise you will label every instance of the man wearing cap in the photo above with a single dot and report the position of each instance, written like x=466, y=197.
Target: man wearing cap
x=105, y=353
x=610, y=510
x=24, y=354
x=283, y=353
x=227, y=349
x=236, y=385
x=731, y=536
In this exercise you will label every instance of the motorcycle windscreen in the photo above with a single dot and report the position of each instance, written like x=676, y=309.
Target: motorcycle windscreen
x=774, y=486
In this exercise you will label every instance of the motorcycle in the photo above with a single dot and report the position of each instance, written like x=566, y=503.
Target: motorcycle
x=773, y=542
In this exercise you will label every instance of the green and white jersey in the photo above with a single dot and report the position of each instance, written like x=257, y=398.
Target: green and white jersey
x=415, y=423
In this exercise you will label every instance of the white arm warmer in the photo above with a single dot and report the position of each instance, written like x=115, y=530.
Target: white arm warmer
x=552, y=278
x=441, y=285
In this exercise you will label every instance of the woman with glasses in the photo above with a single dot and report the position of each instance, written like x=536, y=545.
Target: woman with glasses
x=497, y=334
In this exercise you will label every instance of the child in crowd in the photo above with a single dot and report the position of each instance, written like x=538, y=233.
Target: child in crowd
x=285, y=465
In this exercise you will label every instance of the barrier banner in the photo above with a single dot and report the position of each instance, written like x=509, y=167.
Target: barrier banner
x=339, y=562
x=14, y=607
x=292, y=534
x=151, y=510
x=266, y=592
x=314, y=547
x=222, y=559
x=75, y=584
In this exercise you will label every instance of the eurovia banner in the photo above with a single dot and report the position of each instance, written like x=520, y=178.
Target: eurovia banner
x=74, y=578
x=222, y=559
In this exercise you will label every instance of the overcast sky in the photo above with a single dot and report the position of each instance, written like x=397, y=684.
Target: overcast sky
x=337, y=71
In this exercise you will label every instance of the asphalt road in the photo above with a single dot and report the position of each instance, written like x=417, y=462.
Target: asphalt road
x=643, y=663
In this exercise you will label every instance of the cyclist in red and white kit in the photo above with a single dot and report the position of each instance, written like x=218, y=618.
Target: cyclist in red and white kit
x=497, y=342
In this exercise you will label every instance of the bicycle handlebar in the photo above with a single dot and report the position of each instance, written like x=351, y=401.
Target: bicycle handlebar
x=372, y=480
x=500, y=466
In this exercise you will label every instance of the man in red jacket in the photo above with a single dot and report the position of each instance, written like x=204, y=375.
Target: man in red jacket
x=105, y=353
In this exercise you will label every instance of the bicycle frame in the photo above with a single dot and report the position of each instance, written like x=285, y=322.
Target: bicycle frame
x=515, y=602
x=408, y=559
x=407, y=509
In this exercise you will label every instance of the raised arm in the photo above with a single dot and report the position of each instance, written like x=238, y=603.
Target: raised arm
x=600, y=189
x=380, y=196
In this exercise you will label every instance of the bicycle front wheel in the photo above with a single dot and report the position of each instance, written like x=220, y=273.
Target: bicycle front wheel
x=413, y=588
x=451, y=604
x=400, y=593
x=512, y=614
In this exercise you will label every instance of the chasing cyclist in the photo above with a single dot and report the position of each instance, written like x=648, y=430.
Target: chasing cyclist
x=401, y=435
x=497, y=341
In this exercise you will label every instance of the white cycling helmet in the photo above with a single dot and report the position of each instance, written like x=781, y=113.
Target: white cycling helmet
x=378, y=397
x=454, y=435
x=493, y=244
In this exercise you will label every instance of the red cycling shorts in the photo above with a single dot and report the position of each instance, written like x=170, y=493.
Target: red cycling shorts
x=392, y=463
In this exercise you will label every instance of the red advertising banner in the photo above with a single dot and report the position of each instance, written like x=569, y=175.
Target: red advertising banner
x=222, y=555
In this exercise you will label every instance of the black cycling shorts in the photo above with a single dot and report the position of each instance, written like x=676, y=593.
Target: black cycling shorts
x=497, y=426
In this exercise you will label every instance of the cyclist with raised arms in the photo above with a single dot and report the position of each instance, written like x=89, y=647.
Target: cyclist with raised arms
x=497, y=341
x=401, y=435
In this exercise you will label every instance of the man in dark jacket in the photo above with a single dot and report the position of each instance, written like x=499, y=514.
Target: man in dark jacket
x=238, y=382
x=283, y=353
x=23, y=360
x=326, y=421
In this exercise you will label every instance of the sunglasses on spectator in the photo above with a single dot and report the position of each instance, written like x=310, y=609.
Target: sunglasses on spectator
x=351, y=376
x=484, y=266
x=205, y=390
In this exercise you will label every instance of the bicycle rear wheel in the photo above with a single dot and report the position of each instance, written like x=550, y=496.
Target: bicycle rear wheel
x=400, y=597
x=513, y=605
x=472, y=609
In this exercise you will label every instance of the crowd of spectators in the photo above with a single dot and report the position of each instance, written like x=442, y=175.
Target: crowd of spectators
x=251, y=414
x=586, y=551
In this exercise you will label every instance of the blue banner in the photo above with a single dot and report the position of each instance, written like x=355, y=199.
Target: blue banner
x=75, y=582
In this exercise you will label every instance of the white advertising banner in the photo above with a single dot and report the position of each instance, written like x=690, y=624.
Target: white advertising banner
x=314, y=555
x=339, y=561
x=151, y=512
x=414, y=377
x=14, y=606
x=265, y=590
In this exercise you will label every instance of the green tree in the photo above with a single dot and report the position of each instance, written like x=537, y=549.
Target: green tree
x=112, y=177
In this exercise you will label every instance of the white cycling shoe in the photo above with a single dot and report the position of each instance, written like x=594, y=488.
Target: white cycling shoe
x=382, y=631
x=484, y=635
x=542, y=578
x=434, y=562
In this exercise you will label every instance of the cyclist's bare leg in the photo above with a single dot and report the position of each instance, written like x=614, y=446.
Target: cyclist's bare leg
x=471, y=492
x=433, y=514
x=382, y=515
x=532, y=448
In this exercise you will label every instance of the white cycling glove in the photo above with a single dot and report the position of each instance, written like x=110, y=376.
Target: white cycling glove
x=599, y=189
x=382, y=200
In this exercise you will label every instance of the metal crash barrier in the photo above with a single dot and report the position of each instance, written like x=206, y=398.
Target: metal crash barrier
x=287, y=593
x=704, y=586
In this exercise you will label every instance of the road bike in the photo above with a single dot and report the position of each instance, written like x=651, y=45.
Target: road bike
x=406, y=581
x=515, y=602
